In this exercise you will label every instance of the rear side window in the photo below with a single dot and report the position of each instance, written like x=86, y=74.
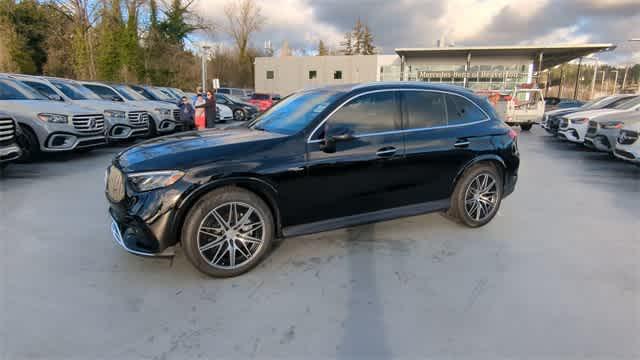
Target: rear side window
x=424, y=109
x=462, y=111
x=368, y=114
x=103, y=92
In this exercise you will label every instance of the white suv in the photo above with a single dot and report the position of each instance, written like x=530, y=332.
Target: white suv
x=574, y=127
x=165, y=117
x=628, y=145
x=122, y=121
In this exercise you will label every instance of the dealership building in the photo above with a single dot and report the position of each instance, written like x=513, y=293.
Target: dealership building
x=476, y=67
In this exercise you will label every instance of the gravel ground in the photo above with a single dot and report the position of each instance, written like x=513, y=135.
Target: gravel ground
x=555, y=275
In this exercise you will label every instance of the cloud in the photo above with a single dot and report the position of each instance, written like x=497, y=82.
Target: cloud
x=419, y=23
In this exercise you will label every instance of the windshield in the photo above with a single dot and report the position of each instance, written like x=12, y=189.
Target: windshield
x=295, y=112
x=75, y=91
x=593, y=103
x=129, y=93
x=178, y=92
x=628, y=103
x=14, y=90
x=159, y=94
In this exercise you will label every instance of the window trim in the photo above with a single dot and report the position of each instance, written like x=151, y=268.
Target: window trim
x=313, y=132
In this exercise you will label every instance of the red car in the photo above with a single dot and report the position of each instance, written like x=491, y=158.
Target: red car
x=264, y=101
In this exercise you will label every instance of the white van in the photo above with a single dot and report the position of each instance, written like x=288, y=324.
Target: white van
x=522, y=107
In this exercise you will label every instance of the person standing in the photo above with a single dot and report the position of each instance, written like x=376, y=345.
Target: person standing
x=195, y=97
x=187, y=114
x=200, y=120
x=210, y=109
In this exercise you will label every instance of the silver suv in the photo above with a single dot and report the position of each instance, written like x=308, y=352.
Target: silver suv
x=165, y=117
x=122, y=121
x=47, y=125
x=9, y=148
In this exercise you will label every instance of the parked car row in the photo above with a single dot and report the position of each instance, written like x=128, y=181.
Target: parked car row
x=40, y=114
x=610, y=124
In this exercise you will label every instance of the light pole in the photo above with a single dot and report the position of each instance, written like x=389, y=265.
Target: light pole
x=205, y=53
x=595, y=75
x=624, y=79
x=604, y=74
x=615, y=82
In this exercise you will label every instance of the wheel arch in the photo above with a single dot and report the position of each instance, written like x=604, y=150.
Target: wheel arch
x=261, y=187
x=487, y=158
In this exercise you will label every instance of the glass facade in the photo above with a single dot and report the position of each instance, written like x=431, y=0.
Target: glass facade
x=493, y=77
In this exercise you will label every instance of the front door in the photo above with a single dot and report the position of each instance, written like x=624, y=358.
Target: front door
x=361, y=173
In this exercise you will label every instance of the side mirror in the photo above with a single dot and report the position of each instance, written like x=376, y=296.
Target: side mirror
x=55, y=97
x=328, y=145
x=116, y=98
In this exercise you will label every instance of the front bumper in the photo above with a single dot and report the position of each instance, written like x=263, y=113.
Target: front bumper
x=123, y=132
x=67, y=141
x=629, y=153
x=9, y=152
x=573, y=134
x=132, y=242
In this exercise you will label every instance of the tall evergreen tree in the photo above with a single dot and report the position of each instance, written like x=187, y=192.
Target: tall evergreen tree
x=358, y=40
x=367, y=42
x=347, y=44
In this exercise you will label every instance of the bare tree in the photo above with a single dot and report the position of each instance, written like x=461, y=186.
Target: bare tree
x=243, y=20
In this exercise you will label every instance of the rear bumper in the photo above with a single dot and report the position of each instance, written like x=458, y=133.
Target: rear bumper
x=510, y=181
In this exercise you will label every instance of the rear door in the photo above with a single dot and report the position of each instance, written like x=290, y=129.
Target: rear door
x=364, y=173
x=443, y=132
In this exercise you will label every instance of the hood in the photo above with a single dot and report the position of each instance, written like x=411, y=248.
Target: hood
x=151, y=105
x=46, y=106
x=562, y=111
x=590, y=114
x=191, y=149
x=621, y=115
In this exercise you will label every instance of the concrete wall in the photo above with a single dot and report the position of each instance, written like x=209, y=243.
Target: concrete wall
x=291, y=73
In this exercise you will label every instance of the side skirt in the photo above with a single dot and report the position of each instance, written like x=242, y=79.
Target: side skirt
x=367, y=218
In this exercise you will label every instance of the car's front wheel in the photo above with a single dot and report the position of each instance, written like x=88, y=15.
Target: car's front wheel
x=477, y=196
x=239, y=115
x=526, y=126
x=228, y=232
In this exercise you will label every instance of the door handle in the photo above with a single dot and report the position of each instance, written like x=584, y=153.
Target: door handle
x=386, y=151
x=462, y=143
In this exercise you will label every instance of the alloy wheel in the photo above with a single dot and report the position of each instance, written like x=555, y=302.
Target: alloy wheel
x=231, y=235
x=239, y=115
x=481, y=197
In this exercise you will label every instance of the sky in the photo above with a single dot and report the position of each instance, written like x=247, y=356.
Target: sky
x=420, y=23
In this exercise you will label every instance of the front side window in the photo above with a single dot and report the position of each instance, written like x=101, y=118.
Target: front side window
x=367, y=114
x=424, y=109
x=270, y=74
x=103, y=91
x=462, y=111
x=42, y=88
x=129, y=93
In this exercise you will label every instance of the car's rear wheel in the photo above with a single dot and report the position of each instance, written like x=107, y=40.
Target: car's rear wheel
x=477, y=196
x=239, y=115
x=526, y=126
x=228, y=232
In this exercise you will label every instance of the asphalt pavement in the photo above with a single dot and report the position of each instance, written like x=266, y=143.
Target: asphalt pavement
x=555, y=275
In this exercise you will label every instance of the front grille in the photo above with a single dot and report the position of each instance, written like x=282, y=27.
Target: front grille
x=564, y=123
x=627, y=137
x=593, y=128
x=115, y=184
x=7, y=130
x=176, y=115
x=89, y=123
x=138, y=119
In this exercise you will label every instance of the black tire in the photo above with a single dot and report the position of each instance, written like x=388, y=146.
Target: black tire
x=201, y=212
x=153, y=132
x=30, y=145
x=526, y=126
x=459, y=210
x=239, y=115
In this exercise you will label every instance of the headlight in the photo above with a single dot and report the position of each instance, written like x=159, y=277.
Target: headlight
x=164, y=112
x=579, y=121
x=147, y=181
x=114, y=114
x=54, y=118
x=612, y=125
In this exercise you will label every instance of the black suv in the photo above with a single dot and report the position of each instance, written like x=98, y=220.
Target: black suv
x=242, y=110
x=320, y=159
